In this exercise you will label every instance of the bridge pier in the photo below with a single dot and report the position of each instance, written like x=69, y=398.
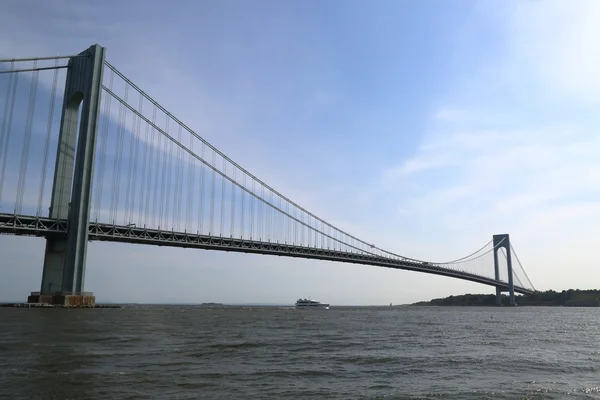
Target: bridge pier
x=63, y=275
x=503, y=241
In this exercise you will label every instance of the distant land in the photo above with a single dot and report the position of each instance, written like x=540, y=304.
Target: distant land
x=567, y=298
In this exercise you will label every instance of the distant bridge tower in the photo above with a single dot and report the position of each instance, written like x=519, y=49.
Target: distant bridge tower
x=64, y=261
x=503, y=241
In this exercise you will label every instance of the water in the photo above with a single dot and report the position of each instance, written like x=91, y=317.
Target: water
x=265, y=353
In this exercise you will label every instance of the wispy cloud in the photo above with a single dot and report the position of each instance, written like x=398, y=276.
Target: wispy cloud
x=556, y=41
x=534, y=176
x=450, y=114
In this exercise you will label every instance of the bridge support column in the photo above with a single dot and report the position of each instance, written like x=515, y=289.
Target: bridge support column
x=64, y=262
x=503, y=241
x=497, y=276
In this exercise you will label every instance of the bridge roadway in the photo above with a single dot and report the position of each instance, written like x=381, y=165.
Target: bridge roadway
x=24, y=225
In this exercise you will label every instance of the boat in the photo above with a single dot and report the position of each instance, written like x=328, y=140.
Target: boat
x=303, y=304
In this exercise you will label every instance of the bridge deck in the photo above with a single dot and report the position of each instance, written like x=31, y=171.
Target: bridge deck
x=43, y=227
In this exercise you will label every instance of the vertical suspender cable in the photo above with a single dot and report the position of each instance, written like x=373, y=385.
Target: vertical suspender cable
x=8, y=130
x=309, y=232
x=190, y=187
x=132, y=163
x=261, y=217
x=182, y=187
x=8, y=105
x=179, y=181
x=211, y=229
x=303, y=230
x=287, y=223
x=138, y=144
x=201, y=188
x=251, y=201
x=169, y=175
x=157, y=171
x=47, y=140
x=102, y=153
x=114, y=169
x=27, y=140
x=222, y=203
x=269, y=217
x=232, y=221
x=243, y=206
x=162, y=164
x=259, y=220
x=165, y=180
x=143, y=196
x=281, y=223
x=177, y=178
x=295, y=226
x=132, y=146
x=168, y=178
x=118, y=159
x=152, y=170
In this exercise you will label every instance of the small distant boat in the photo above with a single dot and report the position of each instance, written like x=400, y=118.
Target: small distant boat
x=305, y=304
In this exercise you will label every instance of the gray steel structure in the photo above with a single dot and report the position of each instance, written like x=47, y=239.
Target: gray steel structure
x=499, y=242
x=64, y=260
x=44, y=227
x=280, y=226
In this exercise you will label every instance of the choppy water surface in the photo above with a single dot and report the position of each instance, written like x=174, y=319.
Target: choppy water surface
x=346, y=353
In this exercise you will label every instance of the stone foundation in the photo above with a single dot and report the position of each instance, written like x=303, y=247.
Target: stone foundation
x=61, y=299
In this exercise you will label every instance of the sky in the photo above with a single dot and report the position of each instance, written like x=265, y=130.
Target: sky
x=424, y=127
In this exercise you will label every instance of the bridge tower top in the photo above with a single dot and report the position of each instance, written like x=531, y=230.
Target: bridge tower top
x=503, y=241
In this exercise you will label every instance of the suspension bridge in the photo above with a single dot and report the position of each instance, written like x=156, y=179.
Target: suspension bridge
x=127, y=170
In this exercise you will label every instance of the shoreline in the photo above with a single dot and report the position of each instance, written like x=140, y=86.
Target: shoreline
x=42, y=305
x=548, y=298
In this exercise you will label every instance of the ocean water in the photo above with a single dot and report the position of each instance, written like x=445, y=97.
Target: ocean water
x=186, y=352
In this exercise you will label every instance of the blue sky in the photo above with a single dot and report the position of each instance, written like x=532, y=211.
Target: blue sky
x=423, y=127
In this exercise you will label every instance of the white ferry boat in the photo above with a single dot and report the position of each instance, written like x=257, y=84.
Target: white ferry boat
x=302, y=304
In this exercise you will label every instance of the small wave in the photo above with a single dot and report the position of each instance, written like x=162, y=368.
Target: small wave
x=215, y=375
x=241, y=345
x=527, y=365
x=301, y=349
x=291, y=373
x=376, y=387
x=196, y=385
x=368, y=360
x=493, y=343
x=589, y=390
x=117, y=339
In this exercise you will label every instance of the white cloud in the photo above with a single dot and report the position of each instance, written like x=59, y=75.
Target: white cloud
x=534, y=176
x=450, y=114
x=414, y=165
x=558, y=40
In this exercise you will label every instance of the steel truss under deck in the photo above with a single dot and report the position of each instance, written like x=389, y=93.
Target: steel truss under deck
x=24, y=225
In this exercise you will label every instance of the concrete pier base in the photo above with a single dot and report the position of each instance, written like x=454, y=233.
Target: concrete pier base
x=63, y=299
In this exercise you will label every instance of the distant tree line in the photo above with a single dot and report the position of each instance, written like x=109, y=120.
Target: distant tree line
x=547, y=298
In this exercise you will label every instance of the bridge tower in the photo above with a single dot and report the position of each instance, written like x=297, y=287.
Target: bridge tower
x=64, y=261
x=503, y=241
